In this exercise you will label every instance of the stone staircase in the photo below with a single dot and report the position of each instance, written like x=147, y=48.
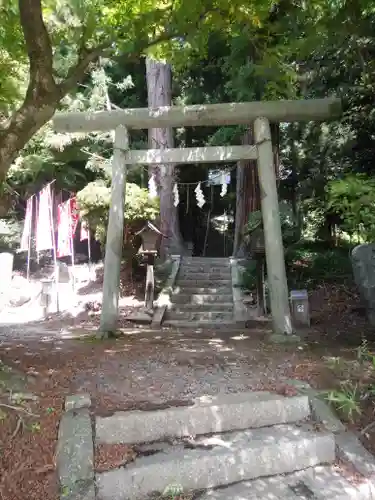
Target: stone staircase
x=202, y=293
x=248, y=446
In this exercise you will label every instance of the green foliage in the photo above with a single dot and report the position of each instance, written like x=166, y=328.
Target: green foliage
x=346, y=400
x=10, y=235
x=248, y=277
x=353, y=198
x=126, y=27
x=288, y=224
x=356, y=385
x=35, y=427
x=309, y=265
x=94, y=201
x=172, y=492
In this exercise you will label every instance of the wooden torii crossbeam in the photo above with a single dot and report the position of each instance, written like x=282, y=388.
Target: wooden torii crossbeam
x=261, y=113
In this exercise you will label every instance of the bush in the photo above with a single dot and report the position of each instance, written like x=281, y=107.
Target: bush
x=94, y=201
x=10, y=235
x=352, y=198
x=248, y=277
x=289, y=226
x=310, y=264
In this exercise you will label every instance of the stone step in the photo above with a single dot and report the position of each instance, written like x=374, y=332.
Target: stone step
x=315, y=483
x=274, y=487
x=210, y=261
x=326, y=483
x=205, y=269
x=221, y=306
x=226, y=458
x=226, y=290
x=208, y=276
x=208, y=324
x=191, y=282
x=198, y=296
x=197, y=316
x=231, y=412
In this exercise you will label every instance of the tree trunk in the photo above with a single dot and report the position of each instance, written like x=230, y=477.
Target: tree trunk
x=43, y=94
x=247, y=195
x=159, y=89
x=295, y=169
x=25, y=123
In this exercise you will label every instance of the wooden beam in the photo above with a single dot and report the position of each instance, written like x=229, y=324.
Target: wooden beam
x=276, y=273
x=241, y=113
x=113, y=246
x=191, y=155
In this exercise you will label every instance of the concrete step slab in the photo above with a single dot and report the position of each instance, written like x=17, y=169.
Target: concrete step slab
x=237, y=456
x=209, y=324
x=208, y=276
x=197, y=316
x=324, y=483
x=205, y=269
x=221, y=306
x=268, y=488
x=188, y=283
x=198, y=296
x=314, y=483
x=206, y=290
x=206, y=260
x=207, y=415
x=350, y=448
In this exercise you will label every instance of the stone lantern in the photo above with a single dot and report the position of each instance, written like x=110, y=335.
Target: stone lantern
x=151, y=238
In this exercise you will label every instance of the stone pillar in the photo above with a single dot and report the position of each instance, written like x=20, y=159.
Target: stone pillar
x=276, y=272
x=113, y=248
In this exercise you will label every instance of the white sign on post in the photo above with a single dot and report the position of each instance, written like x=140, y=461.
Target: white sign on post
x=6, y=270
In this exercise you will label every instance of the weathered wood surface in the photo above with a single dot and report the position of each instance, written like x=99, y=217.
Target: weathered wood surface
x=240, y=113
x=276, y=272
x=150, y=288
x=191, y=155
x=113, y=247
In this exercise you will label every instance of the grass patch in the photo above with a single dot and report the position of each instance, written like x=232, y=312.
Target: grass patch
x=355, y=383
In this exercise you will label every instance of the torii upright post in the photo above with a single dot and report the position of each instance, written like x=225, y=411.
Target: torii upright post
x=277, y=282
x=113, y=247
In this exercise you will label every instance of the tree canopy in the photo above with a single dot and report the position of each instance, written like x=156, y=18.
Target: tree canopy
x=87, y=54
x=54, y=44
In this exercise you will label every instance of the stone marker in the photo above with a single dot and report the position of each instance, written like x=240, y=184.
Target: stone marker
x=64, y=274
x=363, y=264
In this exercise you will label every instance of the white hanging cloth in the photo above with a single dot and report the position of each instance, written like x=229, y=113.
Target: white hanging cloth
x=224, y=185
x=176, y=196
x=152, y=188
x=199, y=196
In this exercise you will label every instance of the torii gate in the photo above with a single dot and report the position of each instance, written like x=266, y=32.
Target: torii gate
x=262, y=113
